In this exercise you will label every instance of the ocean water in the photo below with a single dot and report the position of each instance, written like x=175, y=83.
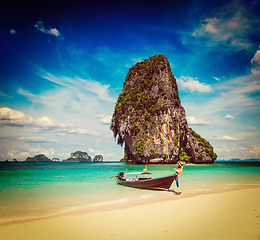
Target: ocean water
x=36, y=190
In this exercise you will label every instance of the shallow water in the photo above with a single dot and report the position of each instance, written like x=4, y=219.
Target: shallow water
x=33, y=190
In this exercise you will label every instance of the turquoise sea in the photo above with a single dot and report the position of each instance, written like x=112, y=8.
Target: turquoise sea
x=36, y=190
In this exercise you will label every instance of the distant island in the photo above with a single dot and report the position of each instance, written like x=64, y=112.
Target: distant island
x=78, y=156
x=38, y=158
x=98, y=158
x=236, y=160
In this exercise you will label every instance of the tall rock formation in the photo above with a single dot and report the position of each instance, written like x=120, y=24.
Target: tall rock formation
x=150, y=120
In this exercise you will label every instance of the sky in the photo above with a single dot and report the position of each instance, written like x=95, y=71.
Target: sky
x=63, y=64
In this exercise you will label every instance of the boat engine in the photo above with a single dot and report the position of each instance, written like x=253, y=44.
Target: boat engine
x=120, y=175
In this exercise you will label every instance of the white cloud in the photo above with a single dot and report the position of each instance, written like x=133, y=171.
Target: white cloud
x=28, y=95
x=227, y=138
x=255, y=71
x=238, y=95
x=98, y=152
x=256, y=63
x=209, y=27
x=105, y=154
x=8, y=114
x=30, y=139
x=197, y=121
x=97, y=88
x=102, y=91
x=37, y=140
x=22, y=155
x=10, y=117
x=13, y=118
x=91, y=150
x=15, y=154
x=38, y=150
x=63, y=130
x=255, y=150
x=73, y=100
x=218, y=79
x=193, y=84
x=229, y=116
x=52, y=31
x=12, y=32
x=238, y=150
x=256, y=57
x=229, y=29
x=104, y=119
x=136, y=60
x=4, y=95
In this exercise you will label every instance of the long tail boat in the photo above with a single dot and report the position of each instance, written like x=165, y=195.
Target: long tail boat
x=144, y=180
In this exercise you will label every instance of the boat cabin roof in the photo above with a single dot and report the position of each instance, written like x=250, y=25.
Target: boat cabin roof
x=137, y=173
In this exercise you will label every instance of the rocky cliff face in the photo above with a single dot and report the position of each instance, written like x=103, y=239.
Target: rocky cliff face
x=78, y=156
x=98, y=158
x=150, y=120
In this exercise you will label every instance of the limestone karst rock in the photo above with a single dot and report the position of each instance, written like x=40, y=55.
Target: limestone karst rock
x=98, y=158
x=78, y=156
x=38, y=158
x=150, y=120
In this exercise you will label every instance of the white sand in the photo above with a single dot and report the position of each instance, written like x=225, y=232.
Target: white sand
x=228, y=215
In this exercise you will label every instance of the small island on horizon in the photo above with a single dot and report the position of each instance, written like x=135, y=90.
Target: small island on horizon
x=233, y=160
x=78, y=156
x=237, y=160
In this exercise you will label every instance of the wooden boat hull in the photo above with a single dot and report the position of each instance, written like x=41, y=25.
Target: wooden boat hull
x=155, y=183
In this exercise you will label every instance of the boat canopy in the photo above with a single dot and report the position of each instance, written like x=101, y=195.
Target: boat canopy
x=137, y=173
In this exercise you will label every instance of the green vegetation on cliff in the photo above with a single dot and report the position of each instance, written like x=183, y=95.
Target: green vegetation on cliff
x=208, y=148
x=142, y=79
x=78, y=156
x=38, y=158
x=136, y=94
x=76, y=159
x=98, y=158
x=150, y=120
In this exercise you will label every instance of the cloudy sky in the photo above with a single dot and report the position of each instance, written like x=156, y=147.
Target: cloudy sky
x=63, y=66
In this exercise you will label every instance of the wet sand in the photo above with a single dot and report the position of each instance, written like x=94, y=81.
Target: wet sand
x=226, y=215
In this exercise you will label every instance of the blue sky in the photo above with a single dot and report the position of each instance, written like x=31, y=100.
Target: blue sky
x=63, y=66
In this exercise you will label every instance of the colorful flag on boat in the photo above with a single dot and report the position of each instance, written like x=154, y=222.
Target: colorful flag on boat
x=145, y=169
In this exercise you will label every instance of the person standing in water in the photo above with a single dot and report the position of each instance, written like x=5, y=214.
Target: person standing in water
x=179, y=169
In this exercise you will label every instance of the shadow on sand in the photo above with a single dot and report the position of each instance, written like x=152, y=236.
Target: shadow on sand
x=176, y=193
x=167, y=190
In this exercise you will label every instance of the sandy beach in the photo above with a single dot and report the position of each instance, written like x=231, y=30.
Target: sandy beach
x=226, y=215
